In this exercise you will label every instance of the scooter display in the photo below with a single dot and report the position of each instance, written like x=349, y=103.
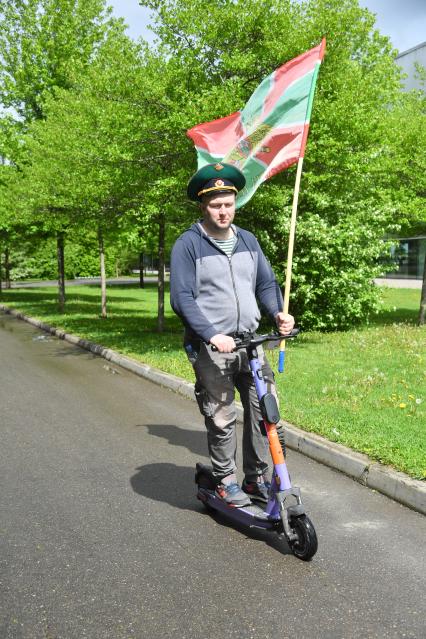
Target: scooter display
x=284, y=513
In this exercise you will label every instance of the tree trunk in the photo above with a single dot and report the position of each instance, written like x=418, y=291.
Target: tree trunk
x=1, y=272
x=422, y=313
x=161, y=242
x=141, y=278
x=60, y=243
x=6, y=267
x=103, y=277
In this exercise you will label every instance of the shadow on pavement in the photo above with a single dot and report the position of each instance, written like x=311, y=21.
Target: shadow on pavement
x=175, y=485
x=193, y=440
x=168, y=483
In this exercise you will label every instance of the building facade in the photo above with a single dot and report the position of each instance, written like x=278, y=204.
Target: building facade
x=407, y=60
x=409, y=254
x=409, y=257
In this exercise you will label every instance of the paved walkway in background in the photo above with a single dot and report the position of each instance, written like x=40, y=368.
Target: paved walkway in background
x=398, y=283
x=86, y=280
x=102, y=536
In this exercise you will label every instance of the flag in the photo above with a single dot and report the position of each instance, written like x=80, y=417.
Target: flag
x=270, y=132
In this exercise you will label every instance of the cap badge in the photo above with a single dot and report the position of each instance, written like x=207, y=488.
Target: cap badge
x=218, y=167
x=219, y=183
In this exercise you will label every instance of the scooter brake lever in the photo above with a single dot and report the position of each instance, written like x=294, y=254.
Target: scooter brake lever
x=293, y=333
x=239, y=343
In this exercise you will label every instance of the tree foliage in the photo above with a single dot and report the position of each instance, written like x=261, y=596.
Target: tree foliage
x=104, y=147
x=347, y=203
x=45, y=44
x=46, y=47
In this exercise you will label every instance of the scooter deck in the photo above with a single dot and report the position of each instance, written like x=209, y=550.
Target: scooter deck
x=253, y=515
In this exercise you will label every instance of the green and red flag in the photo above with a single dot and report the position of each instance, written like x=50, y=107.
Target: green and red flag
x=270, y=133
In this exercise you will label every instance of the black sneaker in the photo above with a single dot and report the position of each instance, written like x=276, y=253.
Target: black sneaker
x=232, y=495
x=258, y=491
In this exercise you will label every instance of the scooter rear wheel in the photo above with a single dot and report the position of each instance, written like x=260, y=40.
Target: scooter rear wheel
x=306, y=544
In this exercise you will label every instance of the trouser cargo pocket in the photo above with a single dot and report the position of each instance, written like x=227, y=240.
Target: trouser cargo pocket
x=203, y=400
x=192, y=350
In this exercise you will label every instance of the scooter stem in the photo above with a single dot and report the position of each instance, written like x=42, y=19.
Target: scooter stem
x=280, y=476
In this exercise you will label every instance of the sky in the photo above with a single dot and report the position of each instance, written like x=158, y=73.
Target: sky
x=404, y=21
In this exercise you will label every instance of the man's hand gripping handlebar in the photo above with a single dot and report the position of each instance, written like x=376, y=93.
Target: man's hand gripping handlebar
x=227, y=344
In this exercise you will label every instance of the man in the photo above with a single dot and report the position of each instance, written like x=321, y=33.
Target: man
x=218, y=272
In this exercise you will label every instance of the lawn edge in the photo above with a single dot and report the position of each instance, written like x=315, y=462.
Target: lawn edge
x=386, y=480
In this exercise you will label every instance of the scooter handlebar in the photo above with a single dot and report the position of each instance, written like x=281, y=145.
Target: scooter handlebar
x=256, y=340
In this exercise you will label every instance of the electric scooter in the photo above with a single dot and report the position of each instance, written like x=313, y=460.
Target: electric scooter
x=284, y=513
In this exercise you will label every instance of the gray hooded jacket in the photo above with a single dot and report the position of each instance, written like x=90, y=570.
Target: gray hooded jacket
x=214, y=294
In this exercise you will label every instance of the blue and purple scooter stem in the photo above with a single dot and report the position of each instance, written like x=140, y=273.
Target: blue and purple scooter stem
x=280, y=477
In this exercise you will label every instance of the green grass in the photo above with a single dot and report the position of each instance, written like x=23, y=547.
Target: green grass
x=365, y=388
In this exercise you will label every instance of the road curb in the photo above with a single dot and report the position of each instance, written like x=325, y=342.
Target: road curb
x=393, y=484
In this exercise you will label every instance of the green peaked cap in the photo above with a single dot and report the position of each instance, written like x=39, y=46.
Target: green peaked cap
x=232, y=180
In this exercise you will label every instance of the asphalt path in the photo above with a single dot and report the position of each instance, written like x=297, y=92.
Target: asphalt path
x=102, y=537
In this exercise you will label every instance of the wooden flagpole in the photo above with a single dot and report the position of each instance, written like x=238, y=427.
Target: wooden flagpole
x=296, y=199
x=292, y=234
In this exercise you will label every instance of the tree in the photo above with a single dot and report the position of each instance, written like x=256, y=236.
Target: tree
x=9, y=145
x=346, y=205
x=405, y=167
x=46, y=45
x=128, y=127
x=92, y=154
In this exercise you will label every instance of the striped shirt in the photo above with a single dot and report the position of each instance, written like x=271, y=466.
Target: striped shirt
x=227, y=246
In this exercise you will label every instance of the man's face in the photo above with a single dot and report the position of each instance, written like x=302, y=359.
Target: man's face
x=218, y=211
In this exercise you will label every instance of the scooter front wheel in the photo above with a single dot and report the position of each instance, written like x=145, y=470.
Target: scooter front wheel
x=306, y=544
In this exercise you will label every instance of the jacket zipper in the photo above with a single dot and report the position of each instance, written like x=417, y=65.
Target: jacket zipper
x=237, y=301
x=235, y=293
